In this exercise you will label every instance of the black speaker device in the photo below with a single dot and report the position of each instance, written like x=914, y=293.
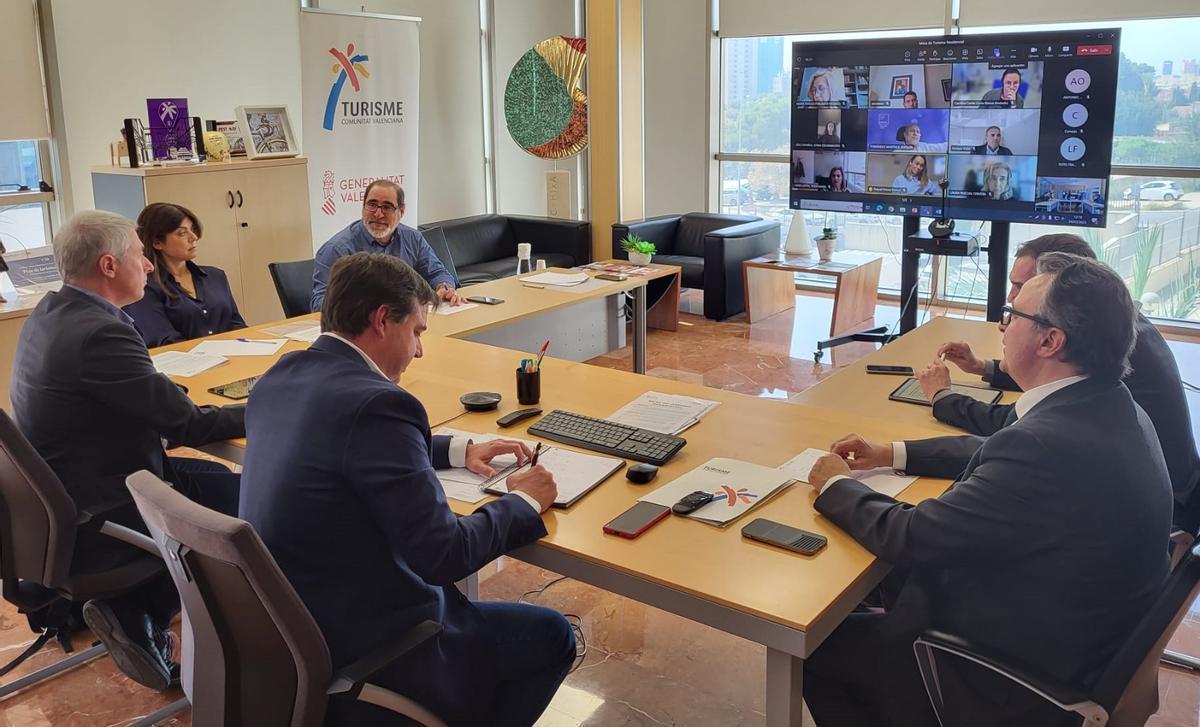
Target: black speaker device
x=942, y=226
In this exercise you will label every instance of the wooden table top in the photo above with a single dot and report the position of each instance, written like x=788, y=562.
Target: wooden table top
x=692, y=557
x=853, y=391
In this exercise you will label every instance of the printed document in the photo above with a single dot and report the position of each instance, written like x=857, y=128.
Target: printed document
x=883, y=480
x=303, y=331
x=738, y=487
x=182, y=363
x=552, y=278
x=665, y=413
x=241, y=347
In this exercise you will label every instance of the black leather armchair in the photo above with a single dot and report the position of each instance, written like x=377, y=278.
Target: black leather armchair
x=710, y=249
x=484, y=247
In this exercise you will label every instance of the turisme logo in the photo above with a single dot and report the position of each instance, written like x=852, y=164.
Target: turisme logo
x=731, y=496
x=348, y=66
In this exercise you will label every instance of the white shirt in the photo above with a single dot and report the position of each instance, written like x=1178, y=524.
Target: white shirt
x=1024, y=403
x=458, y=445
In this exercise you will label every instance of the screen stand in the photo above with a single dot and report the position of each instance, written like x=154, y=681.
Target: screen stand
x=910, y=268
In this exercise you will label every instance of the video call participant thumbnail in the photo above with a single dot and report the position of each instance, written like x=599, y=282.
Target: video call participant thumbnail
x=921, y=130
x=830, y=87
x=911, y=86
x=995, y=132
x=915, y=174
x=988, y=85
x=839, y=171
x=997, y=178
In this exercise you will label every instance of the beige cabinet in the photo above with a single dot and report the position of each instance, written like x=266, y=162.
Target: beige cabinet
x=252, y=212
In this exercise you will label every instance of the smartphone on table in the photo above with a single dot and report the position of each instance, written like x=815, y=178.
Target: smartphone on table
x=637, y=519
x=890, y=370
x=236, y=390
x=485, y=299
x=784, y=536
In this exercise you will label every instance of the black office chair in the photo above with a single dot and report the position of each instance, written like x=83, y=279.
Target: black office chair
x=1125, y=693
x=39, y=525
x=256, y=655
x=294, y=284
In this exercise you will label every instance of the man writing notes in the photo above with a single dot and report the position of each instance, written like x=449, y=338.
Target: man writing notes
x=1153, y=379
x=380, y=230
x=86, y=395
x=346, y=499
x=1048, y=548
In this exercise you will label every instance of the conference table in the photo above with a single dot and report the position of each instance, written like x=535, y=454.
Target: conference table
x=787, y=602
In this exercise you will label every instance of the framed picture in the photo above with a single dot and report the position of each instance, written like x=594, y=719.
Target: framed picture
x=901, y=85
x=267, y=131
x=233, y=133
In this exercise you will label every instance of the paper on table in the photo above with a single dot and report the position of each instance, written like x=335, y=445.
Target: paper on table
x=586, y=287
x=883, y=480
x=449, y=310
x=182, y=363
x=666, y=413
x=235, y=347
x=551, y=278
x=299, y=331
x=738, y=487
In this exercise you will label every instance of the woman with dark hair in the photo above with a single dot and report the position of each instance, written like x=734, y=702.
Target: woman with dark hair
x=183, y=300
x=830, y=136
x=837, y=180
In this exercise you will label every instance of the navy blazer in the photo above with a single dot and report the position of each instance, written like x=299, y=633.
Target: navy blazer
x=162, y=319
x=86, y=395
x=342, y=489
x=1049, y=548
x=1153, y=380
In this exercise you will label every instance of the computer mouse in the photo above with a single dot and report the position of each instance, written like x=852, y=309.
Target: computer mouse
x=641, y=473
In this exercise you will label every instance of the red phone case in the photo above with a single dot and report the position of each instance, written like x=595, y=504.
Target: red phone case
x=657, y=519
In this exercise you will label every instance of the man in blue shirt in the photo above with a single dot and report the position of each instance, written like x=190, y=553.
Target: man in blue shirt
x=380, y=231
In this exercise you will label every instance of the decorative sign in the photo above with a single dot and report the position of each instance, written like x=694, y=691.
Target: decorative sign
x=170, y=130
x=544, y=108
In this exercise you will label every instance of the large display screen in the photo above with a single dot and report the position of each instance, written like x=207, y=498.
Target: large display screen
x=1019, y=124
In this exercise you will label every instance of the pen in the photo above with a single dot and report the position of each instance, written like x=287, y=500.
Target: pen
x=536, y=450
x=254, y=340
x=538, y=366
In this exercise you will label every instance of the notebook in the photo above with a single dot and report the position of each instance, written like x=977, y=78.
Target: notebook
x=911, y=393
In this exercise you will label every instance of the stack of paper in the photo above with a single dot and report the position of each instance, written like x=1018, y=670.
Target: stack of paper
x=445, y=309
x=575, y=473
x=738, y=487
x=552, y=278
x=665, y=413
x=241, y=347
x=883, y=480
x=182, y=363
x=298, y=331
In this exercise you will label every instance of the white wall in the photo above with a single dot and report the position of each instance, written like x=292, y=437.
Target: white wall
x=676, y=148
x=111, y=57
x=520, y=176
x=450, y=167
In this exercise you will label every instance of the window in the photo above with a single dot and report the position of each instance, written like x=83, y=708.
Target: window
x=19, y=169
x=24, y=208
x=1153, y=232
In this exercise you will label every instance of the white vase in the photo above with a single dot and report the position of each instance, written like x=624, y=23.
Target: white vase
x=639, y=258
x=825, y=248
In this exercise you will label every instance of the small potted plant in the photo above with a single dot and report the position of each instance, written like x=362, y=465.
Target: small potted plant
x=639, y=250
x=825, y=244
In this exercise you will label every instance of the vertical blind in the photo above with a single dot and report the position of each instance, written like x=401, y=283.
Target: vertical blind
x=21, y=95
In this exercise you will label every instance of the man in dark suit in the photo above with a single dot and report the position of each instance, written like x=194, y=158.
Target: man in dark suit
x=88, y=398
x=1153, y=380
x=992, y=145
x=1048, y=548
x=346, y=499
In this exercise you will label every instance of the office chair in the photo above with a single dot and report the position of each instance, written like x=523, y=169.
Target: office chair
x=294, y=284
x=1125, y=693
x=39, y=525
x=1187, y=520
x=253, y=654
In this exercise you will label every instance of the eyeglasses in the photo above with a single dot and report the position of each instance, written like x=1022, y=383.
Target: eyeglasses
x=387, y=207
x=1007, y=313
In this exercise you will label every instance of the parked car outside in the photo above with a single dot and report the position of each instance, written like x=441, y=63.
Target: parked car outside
x=1157, y=191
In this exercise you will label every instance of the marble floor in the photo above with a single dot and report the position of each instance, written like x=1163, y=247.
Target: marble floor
x=643, y=666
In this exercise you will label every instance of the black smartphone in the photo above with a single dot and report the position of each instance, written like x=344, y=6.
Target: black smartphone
x=785, y=536
x=236, y=390
x=891, y=370
x=636, y=520
x=485, y=299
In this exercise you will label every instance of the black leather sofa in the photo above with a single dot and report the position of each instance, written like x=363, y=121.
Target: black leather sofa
x=484, y=247
x=710, y=248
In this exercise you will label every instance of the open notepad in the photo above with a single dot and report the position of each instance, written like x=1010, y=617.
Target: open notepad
x=575, y=473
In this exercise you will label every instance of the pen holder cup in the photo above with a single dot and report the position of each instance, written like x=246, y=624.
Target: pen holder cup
x=529, y=387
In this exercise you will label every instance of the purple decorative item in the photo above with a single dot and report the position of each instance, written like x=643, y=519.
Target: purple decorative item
x=170, y=136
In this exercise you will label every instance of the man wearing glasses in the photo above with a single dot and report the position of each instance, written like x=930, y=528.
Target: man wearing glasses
x=1153, y=380
x=1049, y=547
x=380, y=231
